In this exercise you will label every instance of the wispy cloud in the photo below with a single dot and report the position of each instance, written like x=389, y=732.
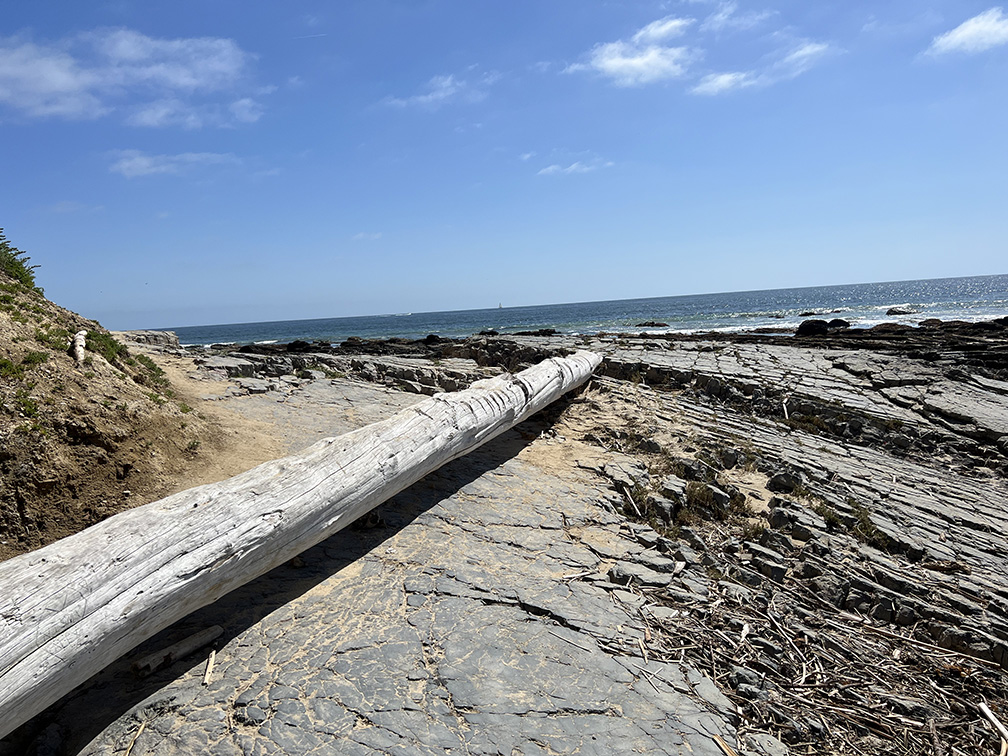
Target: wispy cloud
x=982, y=32
x=799, y=60
x=675, y=47
x=246, y=110
x=134, y=163
x=644, y=58
x=578, y=166
x=167, y=112
x=366, y=236
x=662, y=30
x=440, y=90
x=715, y=84
x=728, y=18
x=787, y=63
x=154, y=82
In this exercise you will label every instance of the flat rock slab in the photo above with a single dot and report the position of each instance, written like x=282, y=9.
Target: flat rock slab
x=455, y=627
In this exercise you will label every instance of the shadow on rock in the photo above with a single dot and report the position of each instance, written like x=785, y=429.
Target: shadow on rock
x=70, y=724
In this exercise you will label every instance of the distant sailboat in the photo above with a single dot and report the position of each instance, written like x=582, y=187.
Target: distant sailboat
x=500, y=306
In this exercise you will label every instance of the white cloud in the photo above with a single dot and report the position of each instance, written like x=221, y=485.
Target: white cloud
x=246, y=110
x=787, y=64
x=643, y=59
x=134, y=163
x=672, y=48
x=630, y=66
x=43, y=82
x=727, y=18
x=575, y=167
x=156, y=82
x=526, y=156
x=168, y=112
x=715, y=84
x=982, y=32
x=441, y=90
x=130, y=58
x=662, y=30
x=799, y=60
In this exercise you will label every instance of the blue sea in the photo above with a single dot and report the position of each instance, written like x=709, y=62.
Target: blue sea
x=862, y=305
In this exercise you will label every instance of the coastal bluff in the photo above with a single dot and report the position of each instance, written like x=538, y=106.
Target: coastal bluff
x=752, y=542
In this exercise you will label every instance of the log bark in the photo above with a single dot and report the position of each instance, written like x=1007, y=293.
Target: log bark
x=71, y=608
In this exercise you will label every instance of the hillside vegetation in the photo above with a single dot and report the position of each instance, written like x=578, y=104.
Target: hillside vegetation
x=77, y=443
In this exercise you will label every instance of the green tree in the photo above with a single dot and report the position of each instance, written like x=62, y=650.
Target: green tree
x=14, y=263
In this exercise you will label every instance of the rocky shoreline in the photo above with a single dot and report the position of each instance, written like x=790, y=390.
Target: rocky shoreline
x=757, y=541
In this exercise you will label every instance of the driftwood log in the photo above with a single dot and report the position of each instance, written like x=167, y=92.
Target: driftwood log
x=79, y=346
x=71, y=608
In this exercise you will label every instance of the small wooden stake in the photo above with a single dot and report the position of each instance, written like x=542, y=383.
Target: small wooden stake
x=209, y=666
x=152, y=662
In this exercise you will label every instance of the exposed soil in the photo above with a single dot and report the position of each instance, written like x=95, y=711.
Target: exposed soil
x=79, y=443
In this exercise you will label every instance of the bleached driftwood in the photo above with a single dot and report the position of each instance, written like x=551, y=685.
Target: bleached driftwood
x=164, y=657
x=71, y=608
x=78, y=346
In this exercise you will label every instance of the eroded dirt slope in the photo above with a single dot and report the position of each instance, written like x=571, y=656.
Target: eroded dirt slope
x=79, y=443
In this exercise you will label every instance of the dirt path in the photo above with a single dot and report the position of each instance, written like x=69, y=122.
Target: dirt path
x=237, y=443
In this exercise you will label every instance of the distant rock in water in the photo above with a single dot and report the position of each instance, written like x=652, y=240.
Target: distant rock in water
x=837, y=324
x=812, y=328
x=299, y=346
x=901, y=310
x=808, y=314
x=489, y=332
x=540, y=332
x=651, y=324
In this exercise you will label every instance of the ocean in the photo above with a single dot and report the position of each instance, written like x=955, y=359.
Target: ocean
x=862, y=305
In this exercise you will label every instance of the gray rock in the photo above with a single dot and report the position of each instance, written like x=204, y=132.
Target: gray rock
x=628, y=573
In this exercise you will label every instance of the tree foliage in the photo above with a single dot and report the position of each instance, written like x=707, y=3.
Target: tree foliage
x=14, y=263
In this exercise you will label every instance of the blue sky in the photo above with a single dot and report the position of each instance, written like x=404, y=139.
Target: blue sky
x=224, y=161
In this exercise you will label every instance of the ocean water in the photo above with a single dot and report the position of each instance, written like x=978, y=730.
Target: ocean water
x=862, y=305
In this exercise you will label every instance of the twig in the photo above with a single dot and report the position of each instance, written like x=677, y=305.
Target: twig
x=915, y=642
x=577, y=575
x=647, y=676
x=726, y=749
x=136, y=735
x=557, y=635
x=626, y=495
x=994, y=720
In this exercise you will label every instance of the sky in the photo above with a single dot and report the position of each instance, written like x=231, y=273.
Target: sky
x=187, y=163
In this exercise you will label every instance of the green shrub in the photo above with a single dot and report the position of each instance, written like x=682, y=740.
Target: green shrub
x=53, y=337
x=106, y=346
x=9, y=369
x=154, y=375
x=27, y=405
x=34, y=358
x=14, y=263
